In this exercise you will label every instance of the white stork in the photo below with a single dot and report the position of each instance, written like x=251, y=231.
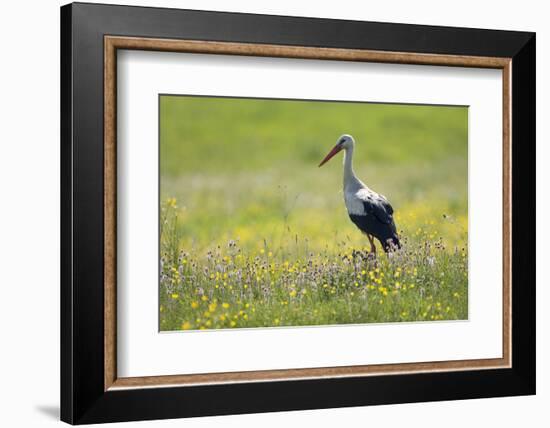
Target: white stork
x=370, y=211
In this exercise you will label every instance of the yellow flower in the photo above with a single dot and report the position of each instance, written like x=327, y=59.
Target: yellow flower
x=186, y=325
x=194, y=305
x=293, y=293
x=212, y=307
x=204, y=298
x=232, y=323
x=171, y=202
x=175, y=295
x=225, y=305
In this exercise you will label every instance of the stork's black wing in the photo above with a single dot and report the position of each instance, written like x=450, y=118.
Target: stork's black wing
x=378, y=220
x=380, y=208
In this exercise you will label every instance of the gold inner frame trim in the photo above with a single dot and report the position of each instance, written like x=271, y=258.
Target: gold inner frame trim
x=113, y=43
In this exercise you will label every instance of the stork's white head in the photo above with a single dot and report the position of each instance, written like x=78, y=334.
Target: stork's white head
x=345, y=142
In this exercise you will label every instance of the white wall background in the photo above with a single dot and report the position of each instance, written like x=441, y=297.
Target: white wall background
x=29, y=215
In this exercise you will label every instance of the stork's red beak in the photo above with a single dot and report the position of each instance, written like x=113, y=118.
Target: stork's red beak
x=335, y=150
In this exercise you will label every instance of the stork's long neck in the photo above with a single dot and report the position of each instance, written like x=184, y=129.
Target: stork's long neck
x=350, y=178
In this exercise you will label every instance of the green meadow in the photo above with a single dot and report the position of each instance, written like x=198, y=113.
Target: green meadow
x=254, y=234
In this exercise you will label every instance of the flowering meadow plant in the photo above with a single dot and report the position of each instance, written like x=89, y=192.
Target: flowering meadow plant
x=228, y=287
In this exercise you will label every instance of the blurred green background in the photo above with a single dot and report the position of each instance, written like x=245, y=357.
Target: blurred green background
x=247, y=169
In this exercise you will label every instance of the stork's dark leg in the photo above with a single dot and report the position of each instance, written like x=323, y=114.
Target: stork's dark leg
x=372, y=245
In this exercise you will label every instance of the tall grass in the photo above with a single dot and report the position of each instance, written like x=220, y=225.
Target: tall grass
x=228, y=287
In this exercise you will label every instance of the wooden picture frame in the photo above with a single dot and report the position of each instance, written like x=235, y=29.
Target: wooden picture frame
x=91, y=390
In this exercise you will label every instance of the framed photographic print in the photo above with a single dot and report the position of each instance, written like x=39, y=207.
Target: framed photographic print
x=265, y=213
